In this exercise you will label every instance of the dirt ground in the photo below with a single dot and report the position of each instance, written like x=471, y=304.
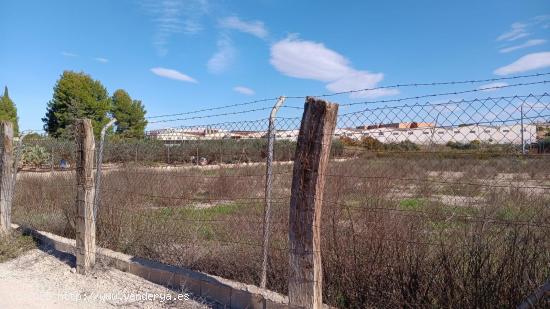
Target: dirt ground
x=40, y=279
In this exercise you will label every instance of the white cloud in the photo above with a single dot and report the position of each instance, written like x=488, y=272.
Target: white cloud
x=520, y=30
x=541, y=18
x=308, y=60
x=311, y=60
x=256, y=27
x=517, y=31
x=244, y=90
x=102, y=60
x=529, y=43
x=528, y=62
x=492, y=86
x=68, y=54
x=223, y=58
x=174, y=16
x=173, y=74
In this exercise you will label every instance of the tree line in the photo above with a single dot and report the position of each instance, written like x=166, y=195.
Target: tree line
x=78, y=95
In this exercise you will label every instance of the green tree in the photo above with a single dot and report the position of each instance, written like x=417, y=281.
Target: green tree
x=31, y=137
x=8, y=111
x=76, y=95
x=130, y=115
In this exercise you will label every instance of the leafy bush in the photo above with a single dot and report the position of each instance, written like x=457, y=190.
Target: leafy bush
x=35, y=155
x=371, y=143
x=475, y=144
x=350, y=142
x=337, y=148
x=215, y=151
x=402, y=146
x=32, y=137
x=543, y=145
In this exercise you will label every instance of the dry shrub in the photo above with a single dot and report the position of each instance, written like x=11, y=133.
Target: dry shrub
x=388, y=238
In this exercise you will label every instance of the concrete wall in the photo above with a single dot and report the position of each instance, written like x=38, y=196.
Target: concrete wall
x=225, y=293
x=487, y=134
x=506, y=134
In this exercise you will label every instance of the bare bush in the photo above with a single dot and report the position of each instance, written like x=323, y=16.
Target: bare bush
x=397, y=231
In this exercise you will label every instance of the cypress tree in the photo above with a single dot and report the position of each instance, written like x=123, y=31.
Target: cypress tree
x=8, y=110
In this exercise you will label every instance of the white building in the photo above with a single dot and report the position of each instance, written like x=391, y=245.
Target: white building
x=510, y=134
x=188, y=134
x=433, y=135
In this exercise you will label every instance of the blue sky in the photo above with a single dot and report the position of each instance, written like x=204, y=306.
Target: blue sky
x=183, y=55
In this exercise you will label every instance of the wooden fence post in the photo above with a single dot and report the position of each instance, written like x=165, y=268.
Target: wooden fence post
x=310, y=162
x=85, y=219
x=6, y=175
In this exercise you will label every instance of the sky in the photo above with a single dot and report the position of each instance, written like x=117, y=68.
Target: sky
x=178, y=56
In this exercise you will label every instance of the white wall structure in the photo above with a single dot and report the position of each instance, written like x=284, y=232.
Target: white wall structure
x=506, y=134
x=203, y=134
x=442, y=135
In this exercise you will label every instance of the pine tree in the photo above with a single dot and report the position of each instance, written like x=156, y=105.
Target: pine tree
x=76, y=95
x=130, y=115
x=8, y=110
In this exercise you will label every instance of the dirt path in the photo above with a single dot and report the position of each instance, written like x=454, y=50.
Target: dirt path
x=42, y=280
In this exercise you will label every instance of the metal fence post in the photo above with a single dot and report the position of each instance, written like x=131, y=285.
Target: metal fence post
x=268, y=187
x=522, y=137
x=99, y=161
x=6, y=175
x=52, y=160
x=305, y=282
x=17, y=157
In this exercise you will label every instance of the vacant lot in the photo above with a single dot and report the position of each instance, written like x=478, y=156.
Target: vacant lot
x=397, y=230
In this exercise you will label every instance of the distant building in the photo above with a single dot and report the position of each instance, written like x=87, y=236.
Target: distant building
x=399, y=125
x=416, y=132
x=430, y=134
x=246, y=134
x=186, y=134
x=175, y=135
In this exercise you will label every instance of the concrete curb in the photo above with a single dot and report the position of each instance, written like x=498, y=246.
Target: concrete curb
x=225, y=293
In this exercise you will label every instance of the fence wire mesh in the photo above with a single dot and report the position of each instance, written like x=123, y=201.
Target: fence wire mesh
x=426, y=202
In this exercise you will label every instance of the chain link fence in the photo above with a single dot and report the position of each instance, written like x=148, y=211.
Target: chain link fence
x=441, y=202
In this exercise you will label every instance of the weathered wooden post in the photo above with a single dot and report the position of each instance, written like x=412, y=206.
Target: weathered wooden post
x=85, y=219
x=6, y=175
x=310, y=162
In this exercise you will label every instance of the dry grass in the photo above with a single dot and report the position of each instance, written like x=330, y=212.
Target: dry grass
x=397, y=231
x=15, y=245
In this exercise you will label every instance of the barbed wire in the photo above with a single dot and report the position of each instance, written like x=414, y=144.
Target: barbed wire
x=211, y=116
x=431, y=95
x=450, y=102
x=213, y=108
x=472, y=81
x=254, y=124
x=234, y=124
x=375, y=102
